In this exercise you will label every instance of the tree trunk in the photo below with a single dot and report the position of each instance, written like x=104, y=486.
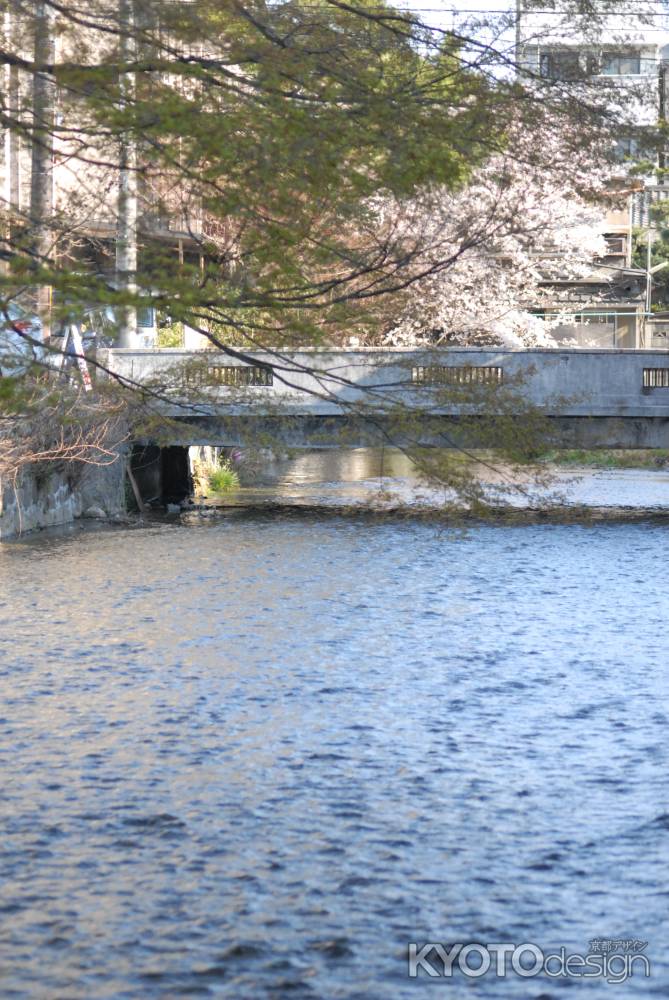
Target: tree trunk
x=10, y=87
x=126, y=230
x=41, y=177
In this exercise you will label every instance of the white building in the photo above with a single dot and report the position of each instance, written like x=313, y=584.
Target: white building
x=622, y=62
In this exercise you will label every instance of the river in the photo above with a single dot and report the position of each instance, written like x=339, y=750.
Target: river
x=387, y=478
x=255, y=756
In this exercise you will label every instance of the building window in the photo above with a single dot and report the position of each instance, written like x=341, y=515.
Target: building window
x=572, y=64
x=562, y=64
x=628, y=64
x=616, y=246
x=146, y=317
x=587, y=329
x=626, y=148
x=600, y=319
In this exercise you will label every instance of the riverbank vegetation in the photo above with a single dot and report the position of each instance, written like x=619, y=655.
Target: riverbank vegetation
x=50, y=426
x=641, y=458
x=214, y=477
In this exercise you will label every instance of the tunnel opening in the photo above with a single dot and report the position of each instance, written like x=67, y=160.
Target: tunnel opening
x=177, y=481
x=161, y=475
x=145, y=466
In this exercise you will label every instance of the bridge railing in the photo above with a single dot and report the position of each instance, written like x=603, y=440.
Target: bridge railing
x=571, y=383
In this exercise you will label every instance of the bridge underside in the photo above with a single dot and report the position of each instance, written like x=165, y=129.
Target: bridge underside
x=310, y=431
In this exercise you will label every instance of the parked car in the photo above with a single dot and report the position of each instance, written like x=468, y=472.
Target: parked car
x=20, y=340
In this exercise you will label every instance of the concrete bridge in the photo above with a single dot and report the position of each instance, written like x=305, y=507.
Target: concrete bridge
x=318, y=398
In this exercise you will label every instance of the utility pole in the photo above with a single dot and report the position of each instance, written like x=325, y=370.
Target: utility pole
x=519, y=10
x=13, y=142
x=41, y=177
x=650, y=271
x=126, y=227
x=6, y=138
x=649, y=280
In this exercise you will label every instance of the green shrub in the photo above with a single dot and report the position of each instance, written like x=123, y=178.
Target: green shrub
x=223, y=479
x=214, y=477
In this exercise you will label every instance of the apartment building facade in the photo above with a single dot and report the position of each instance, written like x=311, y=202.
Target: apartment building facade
x=623, y=60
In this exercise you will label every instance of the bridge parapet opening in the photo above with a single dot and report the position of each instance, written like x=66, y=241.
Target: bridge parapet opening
x=435, y=375
x=656, y=378
x=228, y=375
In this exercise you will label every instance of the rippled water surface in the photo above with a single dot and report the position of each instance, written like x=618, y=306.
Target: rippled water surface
x=257, y=756
x=386, y=477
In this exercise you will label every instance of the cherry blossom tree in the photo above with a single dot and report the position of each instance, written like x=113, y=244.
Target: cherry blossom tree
x=483, y=255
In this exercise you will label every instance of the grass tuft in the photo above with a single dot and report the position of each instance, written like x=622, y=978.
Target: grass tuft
x=211, y=477
x=222, y=479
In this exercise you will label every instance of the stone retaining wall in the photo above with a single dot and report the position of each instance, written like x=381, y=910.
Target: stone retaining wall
x=42, y=498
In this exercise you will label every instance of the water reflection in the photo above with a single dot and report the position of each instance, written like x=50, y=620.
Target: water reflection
x=373, y=476
x=346, y=466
